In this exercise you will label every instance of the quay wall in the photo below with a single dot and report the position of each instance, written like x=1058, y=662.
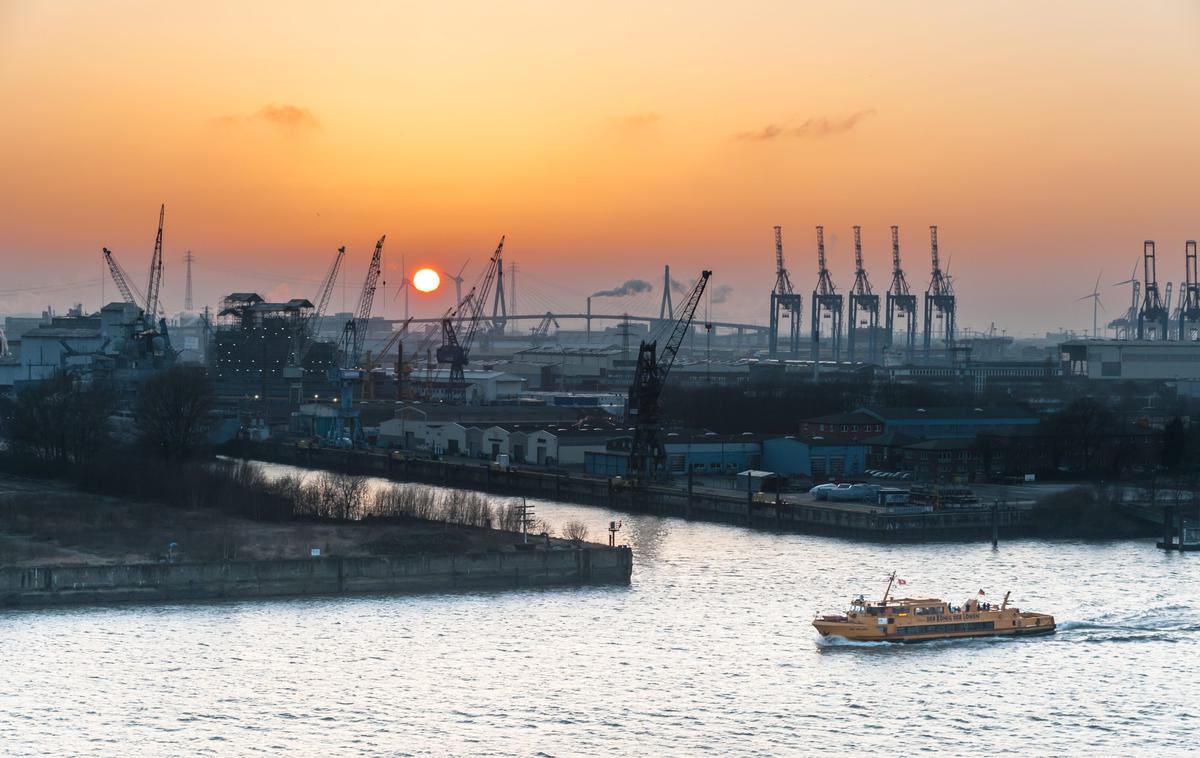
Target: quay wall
x=737, y=508
x=159, y=582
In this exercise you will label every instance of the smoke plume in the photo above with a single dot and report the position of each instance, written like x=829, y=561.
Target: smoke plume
x=631, y=287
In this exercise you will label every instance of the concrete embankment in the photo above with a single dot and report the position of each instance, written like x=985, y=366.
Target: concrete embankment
x=736, y=508
x=158, y=582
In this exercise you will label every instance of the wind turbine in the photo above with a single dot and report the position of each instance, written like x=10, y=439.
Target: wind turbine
x=1094, y=296
x=405, y=284
x=458, y=280
x=1130, y=315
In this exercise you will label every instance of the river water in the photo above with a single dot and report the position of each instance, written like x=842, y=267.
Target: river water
x=709, y=652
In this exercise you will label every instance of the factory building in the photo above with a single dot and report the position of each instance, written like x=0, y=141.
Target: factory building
x=1125, y=360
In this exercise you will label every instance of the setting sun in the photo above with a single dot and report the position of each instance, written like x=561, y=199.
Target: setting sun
x=426, y=280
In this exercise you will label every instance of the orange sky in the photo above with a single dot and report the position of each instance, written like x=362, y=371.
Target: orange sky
x=1045, y=140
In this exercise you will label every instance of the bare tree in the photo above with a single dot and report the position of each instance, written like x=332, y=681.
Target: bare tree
x=172, y=410
x=576, y=531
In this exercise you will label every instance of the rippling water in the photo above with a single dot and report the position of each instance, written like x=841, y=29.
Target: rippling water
x=710, y=651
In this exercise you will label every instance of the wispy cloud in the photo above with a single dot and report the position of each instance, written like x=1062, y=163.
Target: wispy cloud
x=289, y=118
x=640, y=120
x=813, y=128
x=721, y=293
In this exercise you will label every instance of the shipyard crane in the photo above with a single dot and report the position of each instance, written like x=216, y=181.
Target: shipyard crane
x=864, y=301
x=128, y=294
x=826, y=304
x=355, y=330
x=309, y=327
x=458, y=331
x=153, y=306
x=939, y=299
x=1152, y=308
x=543, y=327
x=372, y=361
x=647, y=454
x=786, y=303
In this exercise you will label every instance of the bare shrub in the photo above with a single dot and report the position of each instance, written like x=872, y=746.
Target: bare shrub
x=576, y=531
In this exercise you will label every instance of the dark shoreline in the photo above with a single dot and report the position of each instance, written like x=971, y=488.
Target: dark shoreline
x=70, y=585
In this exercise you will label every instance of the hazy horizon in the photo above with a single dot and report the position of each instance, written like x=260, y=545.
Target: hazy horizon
x=1045, y=142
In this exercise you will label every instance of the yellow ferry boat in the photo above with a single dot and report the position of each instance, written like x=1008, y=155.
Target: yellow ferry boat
x=908, y=619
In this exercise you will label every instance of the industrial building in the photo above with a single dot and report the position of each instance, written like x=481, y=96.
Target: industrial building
x=253, y=345
x=1124, y=360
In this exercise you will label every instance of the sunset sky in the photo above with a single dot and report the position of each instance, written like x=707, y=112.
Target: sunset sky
x=1046, y=140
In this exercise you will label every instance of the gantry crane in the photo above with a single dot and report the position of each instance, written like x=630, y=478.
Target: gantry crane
x=862, y=302
x=1189, y=300
x=786, y=304
x=1153, y=309
x=458, y=330
x=826, y=304
x=647, y=454
x=940, y=302
x=900, y=303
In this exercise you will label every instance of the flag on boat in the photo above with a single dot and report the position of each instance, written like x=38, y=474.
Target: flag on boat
x=901, y=581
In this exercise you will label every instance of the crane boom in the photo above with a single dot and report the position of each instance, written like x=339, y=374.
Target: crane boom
x=647, y=454
x=156, y=269
x=783, y=282
x=310, y=326
x=355, y=331
x=460, y=327
x=121, y=279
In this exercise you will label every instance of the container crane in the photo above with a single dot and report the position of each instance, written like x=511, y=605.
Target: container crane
x=786, y=304
x=863, y=302
x=647, y=454
x=826, y=304
x=900, y=303
x=458, y=331
x=1152, y=310
x=940, y=302
x=1189, y=301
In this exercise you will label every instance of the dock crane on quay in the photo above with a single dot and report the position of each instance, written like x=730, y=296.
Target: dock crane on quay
x=459, y=328
x=864, y=301
x=900, y=303
x=786, y=303
x=354, y=333
x=309, y=326
x=647, y=453
x=1152, y=309
x=826, y=304
x=152, y=328
x=1189, y=297
x=940, y=303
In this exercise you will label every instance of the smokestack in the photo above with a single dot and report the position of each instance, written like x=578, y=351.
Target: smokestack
x=589, y=319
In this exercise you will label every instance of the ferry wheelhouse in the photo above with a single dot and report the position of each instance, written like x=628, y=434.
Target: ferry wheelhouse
x=923, y=619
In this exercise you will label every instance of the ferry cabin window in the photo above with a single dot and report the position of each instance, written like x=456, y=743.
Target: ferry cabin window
x=930, y=610
x=973, y=626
